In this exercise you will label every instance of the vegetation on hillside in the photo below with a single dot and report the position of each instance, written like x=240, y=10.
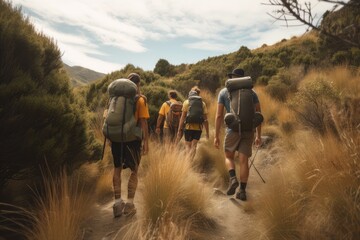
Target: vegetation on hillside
x=80, y=76
x=43, y=124
x=309, y=96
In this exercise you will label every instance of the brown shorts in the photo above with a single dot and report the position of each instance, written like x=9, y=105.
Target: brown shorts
x=127, y=154
x=234, y=142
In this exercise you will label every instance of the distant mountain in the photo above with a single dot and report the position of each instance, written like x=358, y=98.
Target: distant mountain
x=82, y=76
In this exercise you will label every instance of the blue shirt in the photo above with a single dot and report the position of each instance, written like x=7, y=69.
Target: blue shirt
x=224, y=98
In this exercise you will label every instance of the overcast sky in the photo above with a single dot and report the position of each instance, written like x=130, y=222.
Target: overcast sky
x=105, y=35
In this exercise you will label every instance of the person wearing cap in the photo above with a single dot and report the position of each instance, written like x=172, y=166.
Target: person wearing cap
x=233, y=142
x=168, y=132
x=192, y=131
x=132, y=152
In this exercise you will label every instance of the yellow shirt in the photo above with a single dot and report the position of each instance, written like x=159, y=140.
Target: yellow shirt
x=193, y=126
x=165, y=108
x=142, y=109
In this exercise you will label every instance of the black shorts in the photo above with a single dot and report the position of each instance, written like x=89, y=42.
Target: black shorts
x=127, y=154
x=192, y=135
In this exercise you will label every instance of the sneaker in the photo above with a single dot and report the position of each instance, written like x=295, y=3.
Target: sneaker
x=118, y=208
x=129, y=209
x=241, y=195
x=232, y=186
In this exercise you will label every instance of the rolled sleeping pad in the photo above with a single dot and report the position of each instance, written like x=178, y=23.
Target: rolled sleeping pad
x=239, y=83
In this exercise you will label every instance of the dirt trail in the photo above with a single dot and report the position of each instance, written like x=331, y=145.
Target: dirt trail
x=236, y=220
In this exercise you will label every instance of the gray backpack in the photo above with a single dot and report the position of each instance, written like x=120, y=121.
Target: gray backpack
x=120, y=124
x=242, y=116
x=195, y=113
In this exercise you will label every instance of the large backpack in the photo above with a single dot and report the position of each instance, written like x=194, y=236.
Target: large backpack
x=242, y=116
x=120, y=124
x=174, y=114
x=195, y=113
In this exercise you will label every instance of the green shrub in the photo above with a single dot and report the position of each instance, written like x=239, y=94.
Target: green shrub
x=312, y=104
x=340, y=57
x=42, y=121
x=263, y=80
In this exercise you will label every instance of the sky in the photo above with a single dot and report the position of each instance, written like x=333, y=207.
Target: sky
x=105, y=35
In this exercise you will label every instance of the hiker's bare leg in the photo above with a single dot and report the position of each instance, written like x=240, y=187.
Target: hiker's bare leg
x=188, y=145
x=193, y=148
x=244, y=167
x=229, y=160
x=132, y=184
x=117, y=183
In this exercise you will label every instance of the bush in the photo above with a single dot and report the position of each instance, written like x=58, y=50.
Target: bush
x=284, y=82
x=340, y=57
x=42, y=121
x=312, y=105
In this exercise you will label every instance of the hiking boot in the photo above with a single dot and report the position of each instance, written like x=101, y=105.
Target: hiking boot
x=232, y=186
x=129, y=209
x=118, y=208
x=241, y=195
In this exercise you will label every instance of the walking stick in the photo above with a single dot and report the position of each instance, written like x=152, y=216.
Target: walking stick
x=259, y=174
x=252, y=163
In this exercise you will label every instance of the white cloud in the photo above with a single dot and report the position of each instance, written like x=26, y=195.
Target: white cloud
x=203, y=45
x=83, y=28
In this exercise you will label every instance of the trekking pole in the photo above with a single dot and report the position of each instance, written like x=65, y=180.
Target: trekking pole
x=103, y=150
x=252, y=161
x=259, y=174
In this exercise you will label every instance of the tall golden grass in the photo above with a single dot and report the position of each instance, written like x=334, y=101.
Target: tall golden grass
x=314, y=193
x=174, y=199
x=60, y=208
x=211, y=103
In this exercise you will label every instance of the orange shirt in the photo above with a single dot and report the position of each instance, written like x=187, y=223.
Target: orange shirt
x=142, y=109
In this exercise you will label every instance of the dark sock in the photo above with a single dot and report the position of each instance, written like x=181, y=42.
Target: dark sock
x=243, y=185
x=232, y=173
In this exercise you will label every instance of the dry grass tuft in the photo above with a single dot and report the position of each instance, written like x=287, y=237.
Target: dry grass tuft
x=211, y=104
x=172, y=192
x=275, y=112
x=315, y=194
x=60, y=208
x=210, y=162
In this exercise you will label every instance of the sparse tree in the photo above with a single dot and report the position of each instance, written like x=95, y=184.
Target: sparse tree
x=292, y=12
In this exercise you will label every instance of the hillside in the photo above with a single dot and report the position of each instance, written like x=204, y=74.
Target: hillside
x=81, y=76
x=52, y=142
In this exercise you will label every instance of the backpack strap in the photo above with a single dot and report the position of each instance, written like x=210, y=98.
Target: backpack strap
x=238, y=110
x=166, y=115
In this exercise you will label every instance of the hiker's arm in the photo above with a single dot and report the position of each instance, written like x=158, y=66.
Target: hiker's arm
x=258, y=129
x=181, y=126
x=218, y=121
x=158, y=123
x=144, y=128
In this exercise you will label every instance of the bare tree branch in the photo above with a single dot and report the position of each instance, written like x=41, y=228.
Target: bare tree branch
x=291, y=10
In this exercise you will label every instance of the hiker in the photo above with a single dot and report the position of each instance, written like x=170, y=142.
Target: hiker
x=127, y=129
x=240, y=141
x=193, y=119
x=170, y=111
